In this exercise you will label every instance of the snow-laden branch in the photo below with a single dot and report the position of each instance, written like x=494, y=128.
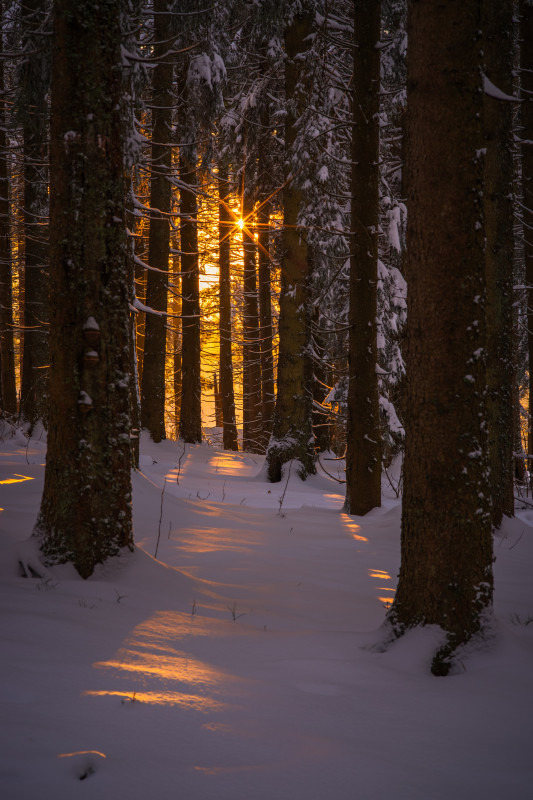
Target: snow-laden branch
x=492, y=91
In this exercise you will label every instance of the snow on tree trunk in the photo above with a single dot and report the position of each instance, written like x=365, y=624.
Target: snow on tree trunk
x=155, y=334
x=292, y=435
x=499, y=221
x=8, y=389
x=446, y=562
x=85, y=513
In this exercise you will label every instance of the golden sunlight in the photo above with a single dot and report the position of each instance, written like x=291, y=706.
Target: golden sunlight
x=379, y=573
x=152, y=671
x=17, y=479
x=353, y=529
x=383, y=576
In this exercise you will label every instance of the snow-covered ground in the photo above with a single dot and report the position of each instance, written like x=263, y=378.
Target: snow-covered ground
x=242, y=663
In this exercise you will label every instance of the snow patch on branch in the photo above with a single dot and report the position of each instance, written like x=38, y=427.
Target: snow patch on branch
x=492, y=91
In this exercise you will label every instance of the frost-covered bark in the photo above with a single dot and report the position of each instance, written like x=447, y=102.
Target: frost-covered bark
x=155, y=334
x=225, y=223
x=32, y=110
x=363, y=454
x=8, y=390
x=292, y=435
x=85, y=513
x=446, y=564
x=499, y=219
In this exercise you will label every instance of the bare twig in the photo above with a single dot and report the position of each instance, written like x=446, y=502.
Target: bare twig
x=160, y=518
x=282, y=496
x=179, y=465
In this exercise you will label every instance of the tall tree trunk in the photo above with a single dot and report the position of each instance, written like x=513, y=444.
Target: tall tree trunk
x=135, y=400
x=292, y=434
x=363, y=454
x=268, y=396
x=153, y=377
x=175, y=332
x=225, y=226
x=446, y=563
x=526, y=109
x=8, y=389
x=85, y=513
x=191, y=391
x=34, y=116
x=499, y=220
x=251, y=358
x=321, y=419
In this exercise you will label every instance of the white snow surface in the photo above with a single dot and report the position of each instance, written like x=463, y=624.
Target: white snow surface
x=243, y=663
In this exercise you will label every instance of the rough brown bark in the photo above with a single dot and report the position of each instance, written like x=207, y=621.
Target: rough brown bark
x=321, y=419
x=8, y=387
x=363, y=453
x=85, y=513
x=292, y=434
x=175, y=334
x=33, y=113
x=191, y=391
x=268, y=396
x=499, y=219
x=227, y=397
x=251, y=353
x=526, y=110
x=155, y=334
x=446, y=564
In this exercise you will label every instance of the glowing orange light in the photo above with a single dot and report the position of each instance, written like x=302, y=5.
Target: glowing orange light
x=240, y=223
x=383, y=576
x=18, y=479
x=176, y=678
x=353, y=528
x=191, y=701
x=379, y=573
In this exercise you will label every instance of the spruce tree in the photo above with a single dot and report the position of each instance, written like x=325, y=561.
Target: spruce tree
x=446, y=552
x=85, y=513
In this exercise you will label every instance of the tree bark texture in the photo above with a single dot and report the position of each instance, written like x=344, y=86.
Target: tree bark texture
x=33, y=114
x=526, y=110
x=268, y=396
x=155, y=334
x=85, y=513
x=292, y=434
x=251, y=349
x=191, y=389
x=499, y=254
x=446, y=562
x=227, y=396
x=363, y=437
x=8, y=389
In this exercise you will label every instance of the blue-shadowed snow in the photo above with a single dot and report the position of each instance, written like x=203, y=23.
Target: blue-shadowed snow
x=241, y=665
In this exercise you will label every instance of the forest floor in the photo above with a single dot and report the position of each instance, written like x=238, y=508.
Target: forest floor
x=244, y=662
